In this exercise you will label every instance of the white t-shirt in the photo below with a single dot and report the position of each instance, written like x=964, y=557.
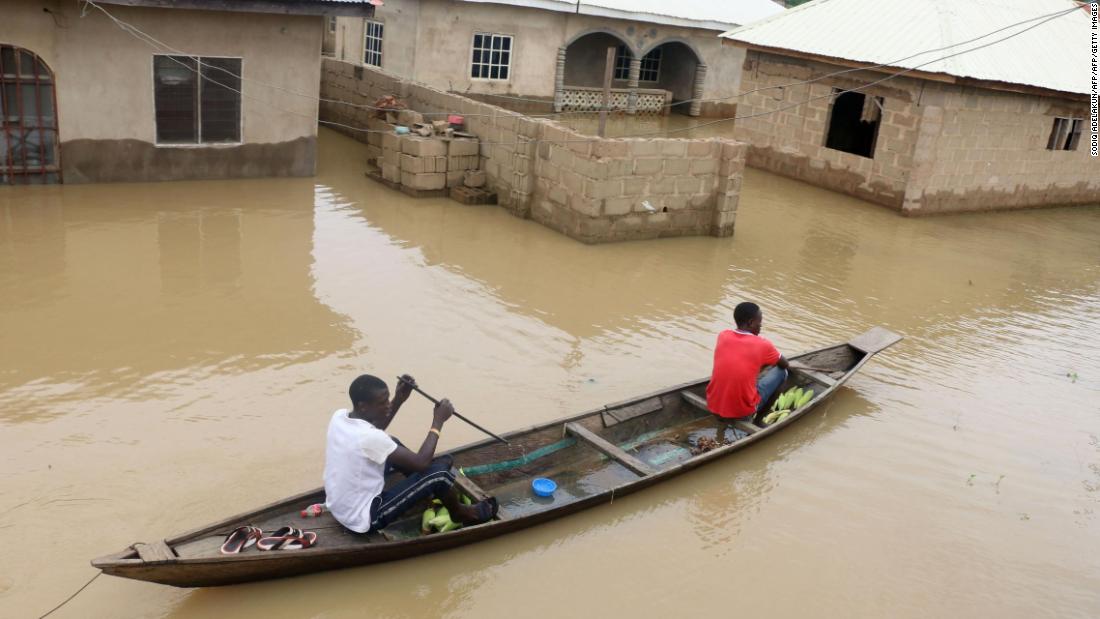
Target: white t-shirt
x=355, y=461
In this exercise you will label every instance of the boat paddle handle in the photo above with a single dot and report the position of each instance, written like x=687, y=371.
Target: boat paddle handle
x=435, y=401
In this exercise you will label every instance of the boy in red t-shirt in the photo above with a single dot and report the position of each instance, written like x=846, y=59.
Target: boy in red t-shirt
x=738, y=389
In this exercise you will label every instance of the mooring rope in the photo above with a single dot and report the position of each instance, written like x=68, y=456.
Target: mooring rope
x=68, y=599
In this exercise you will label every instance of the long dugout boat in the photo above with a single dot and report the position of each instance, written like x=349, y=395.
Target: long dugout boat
x=595, y=456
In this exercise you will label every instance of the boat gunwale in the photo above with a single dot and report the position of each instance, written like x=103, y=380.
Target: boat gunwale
x=118, y=563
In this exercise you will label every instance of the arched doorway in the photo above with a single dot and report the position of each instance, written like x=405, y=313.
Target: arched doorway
x=675, y=67
x=580, y=74
x=28, y=120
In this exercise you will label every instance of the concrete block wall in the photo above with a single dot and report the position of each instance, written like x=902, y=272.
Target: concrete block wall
x=791, y=141
x=591, y=189
x=981, y=150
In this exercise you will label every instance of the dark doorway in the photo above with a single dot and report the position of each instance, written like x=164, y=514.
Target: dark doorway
x=853, y=123
x=28, y=120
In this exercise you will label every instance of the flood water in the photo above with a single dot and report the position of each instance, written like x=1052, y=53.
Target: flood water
x=172, y=352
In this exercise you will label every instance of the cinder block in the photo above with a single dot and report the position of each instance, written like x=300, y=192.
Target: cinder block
x=391, y=172
x=610, y=148
x=423, y=147
x=617, y=206
x=677, y=167
x=439, y=164
x=463, y=162
x=425, y=182
x=392, y=157
x=374, y=153
x=704, y=166
x=417, y=165
x=462, y=146
x=601, y=189
x=455, y=179
x=409, y=118
x=647, y=167
x=474, y=178
x=391, y=141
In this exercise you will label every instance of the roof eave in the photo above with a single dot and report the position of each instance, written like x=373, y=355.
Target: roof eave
x=653, y=18
x=914, y=73
x=297, y=7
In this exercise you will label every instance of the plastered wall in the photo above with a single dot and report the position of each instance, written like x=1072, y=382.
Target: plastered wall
x=104, y=87
x=941, y=147
x=434, y=47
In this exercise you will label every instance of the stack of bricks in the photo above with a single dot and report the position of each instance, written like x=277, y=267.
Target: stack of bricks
x=462, y=156
x=426, y=164
x=423, y=163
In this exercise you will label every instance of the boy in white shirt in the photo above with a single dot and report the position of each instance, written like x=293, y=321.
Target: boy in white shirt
x=359, y=454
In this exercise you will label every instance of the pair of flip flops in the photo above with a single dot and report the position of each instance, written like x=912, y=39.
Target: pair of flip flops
x=286, y=538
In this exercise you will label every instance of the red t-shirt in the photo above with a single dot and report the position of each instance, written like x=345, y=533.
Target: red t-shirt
x=738, y=358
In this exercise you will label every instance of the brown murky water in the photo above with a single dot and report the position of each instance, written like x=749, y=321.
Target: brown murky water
x=171, y=354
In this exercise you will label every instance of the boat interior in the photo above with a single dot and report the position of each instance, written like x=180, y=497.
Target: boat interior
x=590, y=454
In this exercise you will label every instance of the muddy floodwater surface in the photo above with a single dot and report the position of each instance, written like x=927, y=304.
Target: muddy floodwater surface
x=171, y=353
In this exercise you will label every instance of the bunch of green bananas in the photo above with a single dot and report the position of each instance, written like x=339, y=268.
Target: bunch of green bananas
x=438, y=518
x=793, y=398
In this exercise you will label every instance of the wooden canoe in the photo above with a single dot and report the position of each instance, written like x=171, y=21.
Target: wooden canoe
x=610, y=451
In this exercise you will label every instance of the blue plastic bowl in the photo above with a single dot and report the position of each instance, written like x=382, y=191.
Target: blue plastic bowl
x=543, y=486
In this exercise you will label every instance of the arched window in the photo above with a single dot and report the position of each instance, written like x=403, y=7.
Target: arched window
x=28, y=120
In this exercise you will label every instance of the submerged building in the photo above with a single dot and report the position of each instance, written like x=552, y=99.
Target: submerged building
x=988, y=107
x=552, y=53
x=111, y=90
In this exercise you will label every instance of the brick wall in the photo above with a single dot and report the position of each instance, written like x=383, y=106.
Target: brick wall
x=791, y=142
x=941, y=148
x=592, y=189
x=981, y=149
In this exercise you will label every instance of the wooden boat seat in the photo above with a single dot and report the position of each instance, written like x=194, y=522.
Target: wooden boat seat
x=828, y=381
x=157, y=552
x=701, y=404
x=609, y=450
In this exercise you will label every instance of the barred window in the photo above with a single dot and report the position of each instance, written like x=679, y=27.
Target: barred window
x=1065, y=134
x=492, y=56
x=651, y=66
x=622, y=63
x=372, y=43
x=197, y=100
x=28, y=120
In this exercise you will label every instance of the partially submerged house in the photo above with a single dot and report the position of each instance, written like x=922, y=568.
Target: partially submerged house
x=552, y=53
x=986, y=115
x=87, y=100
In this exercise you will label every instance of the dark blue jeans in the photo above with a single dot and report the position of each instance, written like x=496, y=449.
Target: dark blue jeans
x=434, y=481
x=767, y=383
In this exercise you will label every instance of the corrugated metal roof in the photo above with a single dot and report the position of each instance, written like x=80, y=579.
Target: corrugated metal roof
x=1054, y=55
x=710, y=14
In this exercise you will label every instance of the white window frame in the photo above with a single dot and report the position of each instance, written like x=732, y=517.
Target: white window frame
x=332, y=24
x=488, y=66
x=373, y=31
x=200, y=144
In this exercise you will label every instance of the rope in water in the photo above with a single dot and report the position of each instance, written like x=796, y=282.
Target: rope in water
x=98, y=574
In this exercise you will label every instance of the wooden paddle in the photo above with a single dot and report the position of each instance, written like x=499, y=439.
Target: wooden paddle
x=435, y=401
